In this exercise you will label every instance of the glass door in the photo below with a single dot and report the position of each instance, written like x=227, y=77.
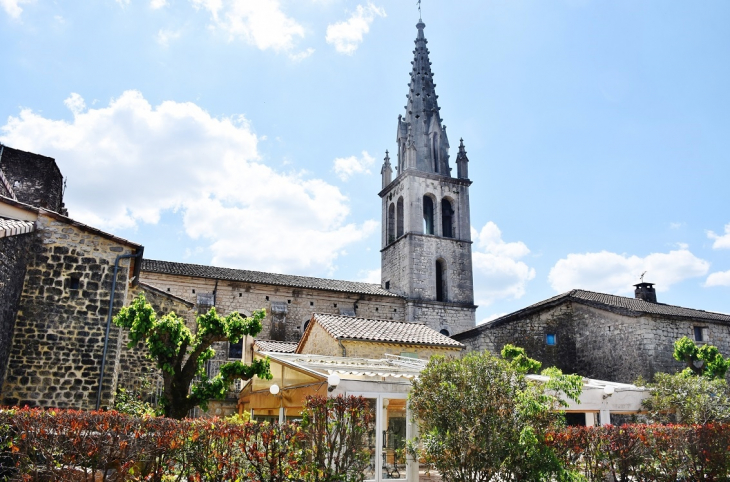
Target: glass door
x=387, y=439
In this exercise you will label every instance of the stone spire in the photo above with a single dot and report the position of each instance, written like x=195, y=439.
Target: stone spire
x=386, y=170
x=422, y=141
x=462, y=162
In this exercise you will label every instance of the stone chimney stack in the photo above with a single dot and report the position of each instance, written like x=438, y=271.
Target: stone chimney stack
x=645, y=291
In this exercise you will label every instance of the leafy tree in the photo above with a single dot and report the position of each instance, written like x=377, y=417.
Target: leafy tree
x=481, y=419
x=697, y=395
x=181, y=354
x=517, y=356
x=705, y=360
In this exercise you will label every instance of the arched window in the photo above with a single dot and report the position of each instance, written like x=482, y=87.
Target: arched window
x=235, y=350
x=447, y=219
x=427, y=215
x=445, y=332
x=440, y=280
x=304, y=326
x=399, y=231
x=390, y=233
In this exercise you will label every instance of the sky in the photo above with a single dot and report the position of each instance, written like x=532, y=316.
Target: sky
x=250, y=133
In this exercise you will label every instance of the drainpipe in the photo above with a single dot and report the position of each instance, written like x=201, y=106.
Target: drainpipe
x=135, y=277
x=344, y=351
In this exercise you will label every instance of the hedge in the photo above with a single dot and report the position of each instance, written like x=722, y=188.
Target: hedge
x=646, y=452
x=71, y=445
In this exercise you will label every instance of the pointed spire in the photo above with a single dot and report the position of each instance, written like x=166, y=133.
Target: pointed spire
x=386, y=170
x=421, y=125
x=462, y=162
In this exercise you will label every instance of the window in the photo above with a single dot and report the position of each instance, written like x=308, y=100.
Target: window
x=74, y=282
x=551, y=339
x=387, y=285
x=235, y=350
x=445, y=332
x=427, y=215
x=447, y=219
x=304, y=327
x=390, y=233
x=408, y=354
x=440, y=280
x=701, y=333
x=399, y=218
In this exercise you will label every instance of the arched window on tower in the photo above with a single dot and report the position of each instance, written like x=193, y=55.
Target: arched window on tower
x=447, y=219
x=427, y=215
x=390, y=233
x=440, y=280
x=399, y=222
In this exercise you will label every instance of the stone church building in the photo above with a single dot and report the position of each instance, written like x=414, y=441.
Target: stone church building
x=61, y=281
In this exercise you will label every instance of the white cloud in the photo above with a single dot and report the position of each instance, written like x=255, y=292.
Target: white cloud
x=369, y=276
x=617, y=273
x=12, y=7
x=491, y=317
x=299, y=56
x=123, y=3
x=165, y=36
x=129, y=162
x=721, y=278
x=722, y=241
x=346, y=167
x=157, y=4
x=676, y=225
x=348, y=35
x=259, y=22
x=498, y=273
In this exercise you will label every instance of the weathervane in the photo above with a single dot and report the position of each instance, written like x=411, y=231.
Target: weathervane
x=642, y=276
x=419, y=9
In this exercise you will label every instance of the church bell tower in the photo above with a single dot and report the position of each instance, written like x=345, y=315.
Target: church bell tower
x=426, y=253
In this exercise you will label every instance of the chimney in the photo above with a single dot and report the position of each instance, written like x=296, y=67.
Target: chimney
x=645, y=291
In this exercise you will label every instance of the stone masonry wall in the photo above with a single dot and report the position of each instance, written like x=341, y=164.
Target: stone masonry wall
x=319, y=342
x=134, y=366
x=59, y=334
x=14, y=252
x=35, y=179
x=299, y=303
x=454, y=318
x=530, y=334
x=363, y=349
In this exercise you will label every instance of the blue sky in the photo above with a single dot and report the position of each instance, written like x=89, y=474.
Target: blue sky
x=250, y=133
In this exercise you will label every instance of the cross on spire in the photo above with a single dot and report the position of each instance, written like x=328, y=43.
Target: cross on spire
x=419, y=10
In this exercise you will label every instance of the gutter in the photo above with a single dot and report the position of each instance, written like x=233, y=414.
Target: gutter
x=344, y=350
x=134, y=281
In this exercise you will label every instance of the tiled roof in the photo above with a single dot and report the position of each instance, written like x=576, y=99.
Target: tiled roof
x=621, y=304
x=351, y=328
x=200, y=271
x=13, y=227
x=276, y=346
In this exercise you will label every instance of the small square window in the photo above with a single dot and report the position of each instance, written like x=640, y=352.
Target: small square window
x=701, y=333
x=311, y=303
x=387, y=285
x=551, y=339
x=267, y=298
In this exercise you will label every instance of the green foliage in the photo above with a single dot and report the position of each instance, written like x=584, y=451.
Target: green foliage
x=132, y=402
x=704, y=360
x=519, y=359
x=482, y=419
x=686, y=398
x=181, y=354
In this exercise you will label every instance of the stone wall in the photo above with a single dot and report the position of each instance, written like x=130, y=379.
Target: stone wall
x=597, y=343
x=295, y=305
x=448, y=317
x=56, y=355
x=366, y=349
x=529, y=332
x=319, y=342
x=134, y=366
x=14, y=251
x=35, y=179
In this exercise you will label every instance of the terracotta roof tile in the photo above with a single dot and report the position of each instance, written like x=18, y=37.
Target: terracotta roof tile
x=200, y=271
x=276, y=346
x=13, y=227
x=352, y=328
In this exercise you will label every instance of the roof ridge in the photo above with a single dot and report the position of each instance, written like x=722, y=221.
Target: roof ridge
x=370, y=319
x=639, y=300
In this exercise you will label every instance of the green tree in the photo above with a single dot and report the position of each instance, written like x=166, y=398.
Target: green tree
x=697, y=395
x=482, y=419
x=181, y=354
x=704, y=360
